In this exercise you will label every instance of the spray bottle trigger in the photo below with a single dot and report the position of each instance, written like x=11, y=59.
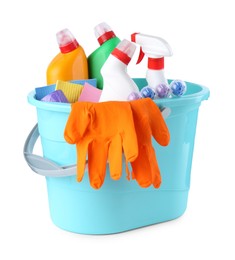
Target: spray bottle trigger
x=141, y=56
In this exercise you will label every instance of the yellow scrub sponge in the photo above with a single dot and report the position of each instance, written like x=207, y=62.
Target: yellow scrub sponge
x=72, y=91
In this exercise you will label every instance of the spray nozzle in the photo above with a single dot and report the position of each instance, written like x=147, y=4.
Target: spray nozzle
x=141, y=53
x=141, y=56
x=151, y=46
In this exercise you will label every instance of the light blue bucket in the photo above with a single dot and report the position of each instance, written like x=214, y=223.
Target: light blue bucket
x=118, y=205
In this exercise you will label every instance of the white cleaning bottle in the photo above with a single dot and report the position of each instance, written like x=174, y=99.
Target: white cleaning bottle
x=155, y=48
x=117, y=84
x=108, y=41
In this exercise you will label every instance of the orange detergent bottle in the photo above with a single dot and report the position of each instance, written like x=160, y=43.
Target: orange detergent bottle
x=70, y=63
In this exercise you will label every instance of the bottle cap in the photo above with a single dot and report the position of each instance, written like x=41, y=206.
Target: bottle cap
x=124, y=51
x=66, y=41
x=103, y=33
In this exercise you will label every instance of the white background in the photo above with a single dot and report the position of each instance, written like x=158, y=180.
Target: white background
x=201, y=34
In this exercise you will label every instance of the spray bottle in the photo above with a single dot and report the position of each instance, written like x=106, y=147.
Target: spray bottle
x=108, y=41
x=155, y=48
x=118, y=85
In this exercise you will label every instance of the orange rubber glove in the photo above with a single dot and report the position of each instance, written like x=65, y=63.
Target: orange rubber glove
x=148, y=121
x=103, y=130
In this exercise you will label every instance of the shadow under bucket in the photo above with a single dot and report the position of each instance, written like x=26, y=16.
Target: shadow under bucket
x=118, y=205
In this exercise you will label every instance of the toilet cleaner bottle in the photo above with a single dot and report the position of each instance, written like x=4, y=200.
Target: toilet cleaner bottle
x=108, y=41
x=118, y=85
x=155, y=48
x=70, y=63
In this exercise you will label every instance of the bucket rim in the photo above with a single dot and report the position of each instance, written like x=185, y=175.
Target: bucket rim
x=200, y=93
x=52, y=106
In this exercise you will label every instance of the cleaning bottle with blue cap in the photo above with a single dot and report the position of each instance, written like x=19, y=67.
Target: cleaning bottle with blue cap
x=155, y=48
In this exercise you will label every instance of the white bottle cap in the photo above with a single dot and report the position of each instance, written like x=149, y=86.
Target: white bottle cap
x=66, y=41
x=127, y=47
x=124, y=51
x=103, y=33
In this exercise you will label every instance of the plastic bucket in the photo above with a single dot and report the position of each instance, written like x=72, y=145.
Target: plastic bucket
x=118, y=205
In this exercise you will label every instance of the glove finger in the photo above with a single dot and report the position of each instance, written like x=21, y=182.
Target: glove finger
x=115, y=157
x=155, y=171
x=97, y=161
x=82, y=148
x=157, y=124
x=130, y=142
x=142, y=169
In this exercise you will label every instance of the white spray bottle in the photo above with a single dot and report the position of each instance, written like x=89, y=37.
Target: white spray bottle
x=155, y=48
x=118, y=85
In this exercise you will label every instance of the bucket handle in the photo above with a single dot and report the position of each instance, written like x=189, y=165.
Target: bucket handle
x=48, y=168
x=44, y=166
